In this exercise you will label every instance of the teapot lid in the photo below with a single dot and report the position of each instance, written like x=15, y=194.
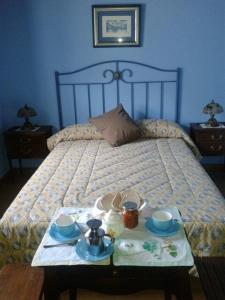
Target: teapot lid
x=94, y=223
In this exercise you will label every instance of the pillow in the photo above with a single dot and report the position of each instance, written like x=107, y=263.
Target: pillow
x=116, y=126
x=73, y=133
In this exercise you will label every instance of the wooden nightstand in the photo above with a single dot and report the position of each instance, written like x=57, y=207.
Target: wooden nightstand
x=210, y=141
x=22, y=144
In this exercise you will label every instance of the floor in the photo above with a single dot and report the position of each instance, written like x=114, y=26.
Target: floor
x=9, y=188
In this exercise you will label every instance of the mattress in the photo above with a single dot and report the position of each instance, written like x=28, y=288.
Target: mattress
x=164, y=170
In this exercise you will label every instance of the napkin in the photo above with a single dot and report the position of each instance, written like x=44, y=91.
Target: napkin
x=137, y=247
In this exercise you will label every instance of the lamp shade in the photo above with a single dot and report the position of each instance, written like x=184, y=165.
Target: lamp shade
x=213, y=108
x=26, y=112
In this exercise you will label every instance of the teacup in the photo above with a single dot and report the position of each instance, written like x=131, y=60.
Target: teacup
x=65, y=224
x=162, y=219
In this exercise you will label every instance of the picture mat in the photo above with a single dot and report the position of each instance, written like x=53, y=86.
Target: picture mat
x=116, y=22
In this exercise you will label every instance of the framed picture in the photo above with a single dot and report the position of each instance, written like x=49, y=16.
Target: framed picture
x=116, y=26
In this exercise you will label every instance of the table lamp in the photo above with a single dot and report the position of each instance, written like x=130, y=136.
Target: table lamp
x=26, y=112
x=212, y=109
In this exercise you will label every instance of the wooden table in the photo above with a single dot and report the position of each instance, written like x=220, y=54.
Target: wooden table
x=113, y=276
x=117, y=280
x=21, y=282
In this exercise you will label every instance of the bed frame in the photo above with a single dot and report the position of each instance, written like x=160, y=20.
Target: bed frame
x=150, y=91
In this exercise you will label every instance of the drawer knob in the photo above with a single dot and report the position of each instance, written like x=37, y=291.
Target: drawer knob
x=220, y=147
x=212, y=136
x=25, y=140
x=115, y=273
x=221, y=137
x=25, y=151
x=212, y=147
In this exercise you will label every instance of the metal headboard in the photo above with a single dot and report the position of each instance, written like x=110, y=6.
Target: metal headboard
x=116, y=74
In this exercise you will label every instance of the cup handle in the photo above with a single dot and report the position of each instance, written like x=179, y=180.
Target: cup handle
x=112, y=240
x=54, y=226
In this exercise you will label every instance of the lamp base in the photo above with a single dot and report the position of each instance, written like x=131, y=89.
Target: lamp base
x=212, y=122
x=27, y=124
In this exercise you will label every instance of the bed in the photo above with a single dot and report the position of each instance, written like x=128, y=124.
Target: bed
x=162, y=165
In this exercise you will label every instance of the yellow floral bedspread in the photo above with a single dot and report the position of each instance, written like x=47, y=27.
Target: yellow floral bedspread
x=82, y=166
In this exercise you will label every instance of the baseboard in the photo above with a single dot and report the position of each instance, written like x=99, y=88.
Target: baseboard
x=214, y=167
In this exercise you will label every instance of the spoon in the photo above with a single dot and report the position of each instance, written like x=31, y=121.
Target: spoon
x=69, y=243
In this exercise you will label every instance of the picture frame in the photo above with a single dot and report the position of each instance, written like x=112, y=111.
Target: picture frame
x=116, y=25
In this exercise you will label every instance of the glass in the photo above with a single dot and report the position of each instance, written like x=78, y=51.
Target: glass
x=130, y=214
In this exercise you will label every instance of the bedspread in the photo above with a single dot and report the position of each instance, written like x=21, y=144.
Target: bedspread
x=163, y=170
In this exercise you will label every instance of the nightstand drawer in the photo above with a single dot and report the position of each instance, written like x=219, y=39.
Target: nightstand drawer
x=32, y=149
x=26, y=144
x=210, y=141
x=211, y=148
x=209, y=136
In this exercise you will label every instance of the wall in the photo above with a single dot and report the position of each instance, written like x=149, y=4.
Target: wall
x=42, y=36
x=3, y=163
x=188, y=34
x=16, y=66
x=16, y=71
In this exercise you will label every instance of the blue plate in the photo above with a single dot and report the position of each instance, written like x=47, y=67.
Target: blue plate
x=62, y=238
x=82, y=251
x=163, y=233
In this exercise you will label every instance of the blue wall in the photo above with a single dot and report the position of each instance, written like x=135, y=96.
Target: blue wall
x=15, y=56
x=15, y=71
x=3, y=163
x=41, y=36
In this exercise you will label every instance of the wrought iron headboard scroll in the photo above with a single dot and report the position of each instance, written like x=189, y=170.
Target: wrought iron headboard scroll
x=116, y=75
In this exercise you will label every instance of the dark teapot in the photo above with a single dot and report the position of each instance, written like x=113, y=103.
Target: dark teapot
x=95, y=237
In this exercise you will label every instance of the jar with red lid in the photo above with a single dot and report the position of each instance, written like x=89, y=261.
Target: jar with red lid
x=130, y=214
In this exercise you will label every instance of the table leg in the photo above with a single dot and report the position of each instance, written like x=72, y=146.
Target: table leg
x=20, y=166
x=11, y=169
x=72, y=294
x=10, y=164
x=51, y=292
x=167, y=294
x=183, y=289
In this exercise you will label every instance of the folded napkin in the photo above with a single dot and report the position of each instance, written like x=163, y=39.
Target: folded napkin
x=136, y=247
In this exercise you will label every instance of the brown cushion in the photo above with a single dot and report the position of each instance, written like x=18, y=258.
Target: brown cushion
x=116, y=126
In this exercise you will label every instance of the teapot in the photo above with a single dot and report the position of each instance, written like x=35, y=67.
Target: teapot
x=113, y=223
x=95, y=237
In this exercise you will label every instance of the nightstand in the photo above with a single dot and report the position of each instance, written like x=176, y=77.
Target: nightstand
x=210, y=141
x=23, y=144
